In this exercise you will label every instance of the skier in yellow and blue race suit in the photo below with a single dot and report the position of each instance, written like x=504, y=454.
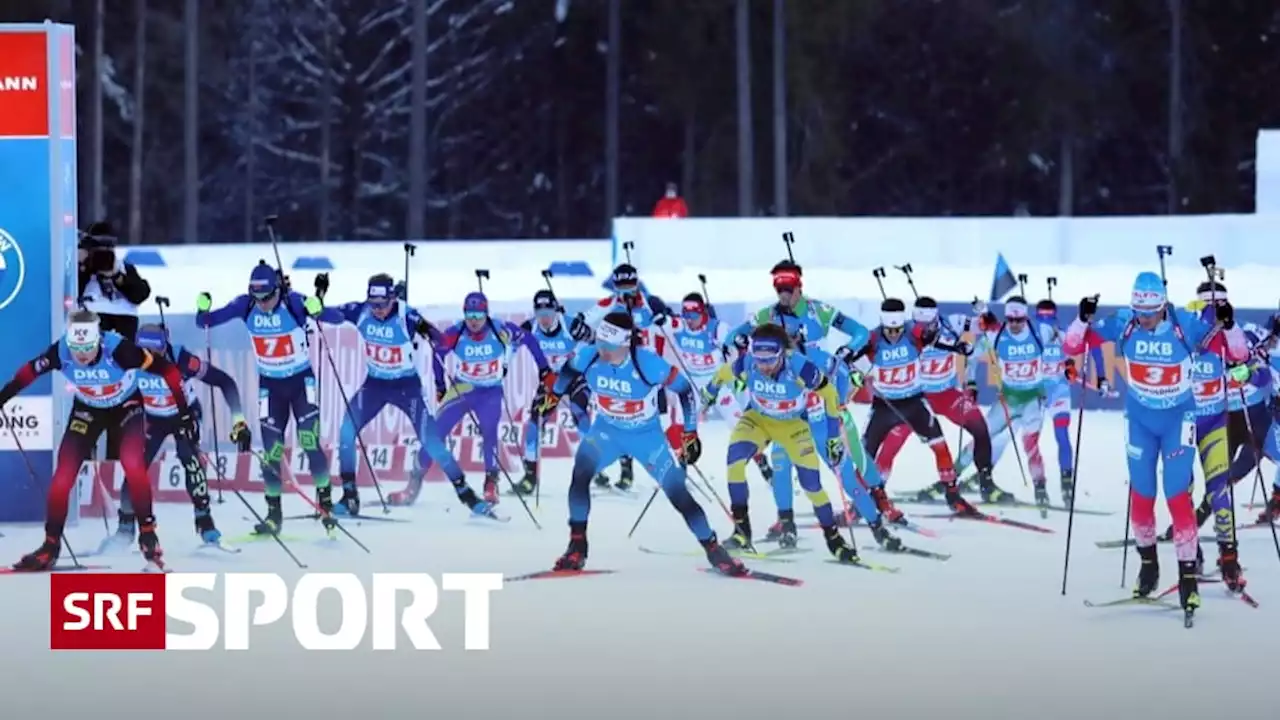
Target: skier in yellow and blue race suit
x=778, y=380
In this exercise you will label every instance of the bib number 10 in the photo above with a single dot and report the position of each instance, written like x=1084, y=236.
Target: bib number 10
x=383, y=354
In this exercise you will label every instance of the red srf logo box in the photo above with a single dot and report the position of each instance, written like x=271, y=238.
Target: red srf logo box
x=24, y=84
x=105, y=611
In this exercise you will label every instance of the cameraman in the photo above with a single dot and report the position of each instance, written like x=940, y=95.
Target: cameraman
x=112, y=289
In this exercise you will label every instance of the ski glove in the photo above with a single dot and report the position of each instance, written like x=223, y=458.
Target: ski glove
x=857, y=379
x=1239, y=373
x=204, y=301
x=690, y=446
x=188, y=427
x=1226, y=315
x=313, y=306
x=322, y=284
x=579, y=330
x=835, y=451
x=845, y=354
x=971, y=391
x=240, y=434
x=1088, y=308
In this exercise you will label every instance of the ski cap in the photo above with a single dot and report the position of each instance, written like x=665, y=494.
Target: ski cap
x=545, y=301
x=1047, y=309
x=83, y=332
x=381, y=290
x=625, y=278
x=925, y=310
x=765, y=348
x=787, y=276
x=1148, y=297
x=262, y=281
x=475, y=303
x=1211, y=292
x=152, y=337
x=1015, y=308
x=893, y=314
x=615, y=330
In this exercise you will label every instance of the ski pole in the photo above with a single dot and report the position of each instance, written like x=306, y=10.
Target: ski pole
x=1052, y=282
x=1075, y=468
x=789, y=239
x=878, y=274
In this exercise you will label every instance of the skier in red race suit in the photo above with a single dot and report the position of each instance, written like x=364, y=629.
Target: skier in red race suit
x=102, y=368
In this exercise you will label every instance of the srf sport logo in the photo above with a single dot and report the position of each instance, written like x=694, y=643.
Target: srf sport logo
x=13, y=269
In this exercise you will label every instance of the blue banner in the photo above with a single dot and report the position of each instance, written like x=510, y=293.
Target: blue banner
x=37, y=151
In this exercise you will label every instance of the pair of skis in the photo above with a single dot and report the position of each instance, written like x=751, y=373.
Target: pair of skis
x=912, y=499
x=1113, y=544
x=751, y=575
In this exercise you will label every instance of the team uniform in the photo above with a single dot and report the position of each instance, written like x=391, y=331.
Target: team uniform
x=476, y=386
x=105, y=390
x=649, y=313
x=392, y=379
x=286, y=382
x=808, y=323
x=161, y=409
x=857, y=473
x=558, y=345
x=1160, y=408
x=1269, y=360
x=1023, y=375
x=898, y=394
x=623, y=395
x=778, y=382
x=1059, y=372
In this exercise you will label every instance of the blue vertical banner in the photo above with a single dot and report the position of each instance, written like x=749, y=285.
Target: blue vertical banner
x=37, y=248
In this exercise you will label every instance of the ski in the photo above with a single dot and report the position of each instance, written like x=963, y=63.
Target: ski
x=1142, y=601
x=1254, y=526
x=784, y=551
x=994, y=520
x=551, y=574
x=357, y=519
x=1113, y=544
x=866, y=565
x=740, y=554
x=54, y=569
x=221, y=546
x=917, y=552
x=757, y=575
x=908, y=499
x=253, y=537
x=902, y=525
x=490, y=515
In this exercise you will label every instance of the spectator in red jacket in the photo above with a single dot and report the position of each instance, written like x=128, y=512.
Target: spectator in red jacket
x=671, y=205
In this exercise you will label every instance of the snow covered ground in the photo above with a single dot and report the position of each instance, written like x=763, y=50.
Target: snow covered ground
x=987, y=634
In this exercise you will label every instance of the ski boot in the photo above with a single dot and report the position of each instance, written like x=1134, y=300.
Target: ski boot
x=1272, y=512
x=205, y=528
x=529, y=482
x=602, y=481
x=840, y=549
x=1042, y=495
x=1068, y=488
x=1148, y=572
x=991, y=493
x=273, y=521
x=124, y=536
x=149, y=544
x=627, y=476
x=884, y=538
x=784, y=532
x=970, y=484
x=409, y=495
x=766, y=471
x=958, y=504
x=741, y=537
x=491, y=487
x=468, y=497
x=721, y=560
x=43, y=558
x=324, y=501
x=349, y=505
x=932, y=494
x=1188, y=590
x=1229, y=566
x=1199, y=559
x=575, y=557
x=887, y=510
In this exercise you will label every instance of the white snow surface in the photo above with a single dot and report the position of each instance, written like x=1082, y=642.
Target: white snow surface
x=988, y=634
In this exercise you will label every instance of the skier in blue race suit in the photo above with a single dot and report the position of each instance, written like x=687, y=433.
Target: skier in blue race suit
x=276, y=318
x=1158, y=344
x=1268, y=362
x=388, y=329
x=557, y=343
x=483, y=348
x=623, y=381
x=162, y=423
